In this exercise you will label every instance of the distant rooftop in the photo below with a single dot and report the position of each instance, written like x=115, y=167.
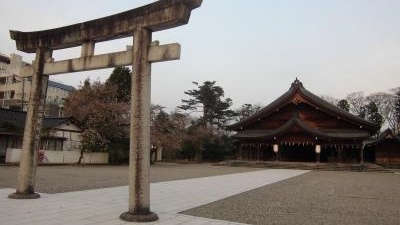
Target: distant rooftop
x=61, y=86
x=4, y=58
x=17, y=118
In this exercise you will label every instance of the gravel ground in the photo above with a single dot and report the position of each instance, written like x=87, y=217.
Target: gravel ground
x=318, y=197
x=57, y=179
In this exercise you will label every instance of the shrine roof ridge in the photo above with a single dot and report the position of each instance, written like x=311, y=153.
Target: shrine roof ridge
x=160, y=15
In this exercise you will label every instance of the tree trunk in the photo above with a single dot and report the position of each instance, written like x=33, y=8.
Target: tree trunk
x=198, y=155
x=80, y=157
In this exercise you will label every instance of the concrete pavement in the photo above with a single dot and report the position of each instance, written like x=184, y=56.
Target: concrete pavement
x=103, y=206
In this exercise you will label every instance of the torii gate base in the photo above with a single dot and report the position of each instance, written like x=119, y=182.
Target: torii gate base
x=139, y=217
x=139, y=23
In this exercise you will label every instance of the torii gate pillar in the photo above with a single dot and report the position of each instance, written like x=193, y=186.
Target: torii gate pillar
x=31, y=141
x=139, y=157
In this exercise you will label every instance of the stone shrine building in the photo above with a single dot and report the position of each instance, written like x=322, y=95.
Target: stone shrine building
x=300, y=126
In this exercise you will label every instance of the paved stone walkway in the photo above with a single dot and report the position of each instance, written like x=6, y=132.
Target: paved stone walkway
x=103, y=206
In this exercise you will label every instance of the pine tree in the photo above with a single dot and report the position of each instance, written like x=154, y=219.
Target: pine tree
x=372, y=113
x=343, y=104
x=121, y=77
x=207, y=98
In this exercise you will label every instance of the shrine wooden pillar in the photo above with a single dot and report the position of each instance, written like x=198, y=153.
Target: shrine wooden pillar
x=362, y=153
x=240, y=151
x=340, y=154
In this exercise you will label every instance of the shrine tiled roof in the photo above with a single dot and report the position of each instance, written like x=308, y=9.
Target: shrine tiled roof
x=317, y=102
x=385, y=135
x=296, y=122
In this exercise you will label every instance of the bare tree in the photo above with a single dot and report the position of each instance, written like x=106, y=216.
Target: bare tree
x=357, y=103
x=98, y=112
x=386, y=104
x=395, y=116
x=330, y=99
x=246, y=110
x=167, y=130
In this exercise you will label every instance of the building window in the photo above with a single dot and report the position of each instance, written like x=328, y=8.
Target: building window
x=59, y=145
x=52, y=144
x=3, y=80
x=12, y=94
x=7, y=94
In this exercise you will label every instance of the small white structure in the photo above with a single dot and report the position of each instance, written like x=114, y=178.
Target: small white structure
x=60, y=140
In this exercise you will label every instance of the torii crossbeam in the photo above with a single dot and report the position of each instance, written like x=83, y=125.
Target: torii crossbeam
x=139, y=23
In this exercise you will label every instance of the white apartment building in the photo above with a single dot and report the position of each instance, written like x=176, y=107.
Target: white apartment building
x=15, y=90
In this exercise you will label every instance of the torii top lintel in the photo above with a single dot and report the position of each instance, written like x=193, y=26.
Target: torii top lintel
x=160, y=15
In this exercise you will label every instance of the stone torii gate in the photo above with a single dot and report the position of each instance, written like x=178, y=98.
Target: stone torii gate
x=139, y=23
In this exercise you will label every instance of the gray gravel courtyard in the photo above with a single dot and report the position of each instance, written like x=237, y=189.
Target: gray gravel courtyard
x=318, y=197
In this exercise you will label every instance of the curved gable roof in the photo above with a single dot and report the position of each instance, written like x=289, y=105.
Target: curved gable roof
x=385, y=135
x=296, y=122
x=297, y=88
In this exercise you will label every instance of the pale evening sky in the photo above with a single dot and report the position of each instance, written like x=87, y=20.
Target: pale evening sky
x=254, y=49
